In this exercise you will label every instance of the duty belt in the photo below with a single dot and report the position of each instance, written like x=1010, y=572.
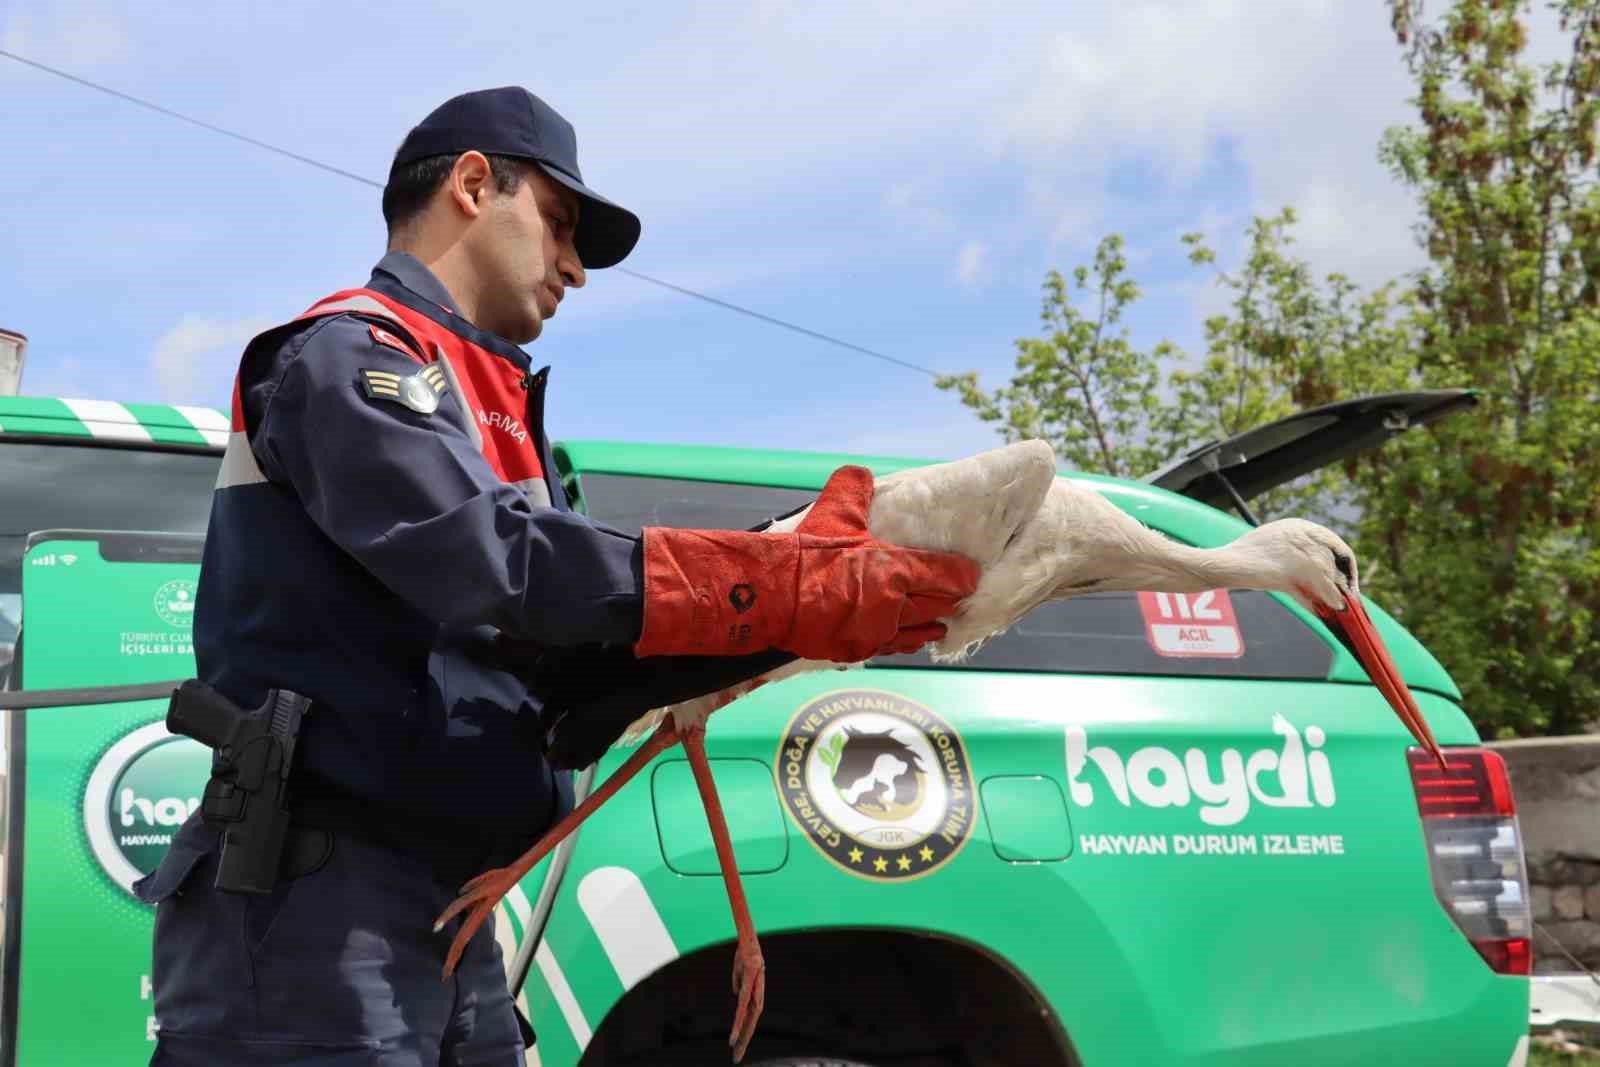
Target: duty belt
x=452, y=855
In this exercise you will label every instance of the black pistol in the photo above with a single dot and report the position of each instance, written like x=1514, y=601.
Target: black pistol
x=252, y=753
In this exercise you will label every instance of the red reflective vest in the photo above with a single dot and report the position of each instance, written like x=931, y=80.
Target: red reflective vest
x=493, y=392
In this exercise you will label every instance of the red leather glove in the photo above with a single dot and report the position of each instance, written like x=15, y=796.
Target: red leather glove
x=827, y=591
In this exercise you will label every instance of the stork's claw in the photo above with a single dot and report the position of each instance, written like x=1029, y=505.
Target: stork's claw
x=749, y=969
x=750, y=986
x=482, y=901
x=482, y=893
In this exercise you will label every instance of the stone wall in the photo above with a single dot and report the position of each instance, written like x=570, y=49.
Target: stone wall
x=1556, y=781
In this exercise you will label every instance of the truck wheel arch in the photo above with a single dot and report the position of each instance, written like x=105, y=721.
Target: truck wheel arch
x=852, y=994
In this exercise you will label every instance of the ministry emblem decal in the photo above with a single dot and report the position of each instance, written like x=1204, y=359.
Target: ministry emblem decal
x=880, y=784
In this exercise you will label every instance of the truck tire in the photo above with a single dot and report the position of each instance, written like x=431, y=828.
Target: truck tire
x=826, y=1061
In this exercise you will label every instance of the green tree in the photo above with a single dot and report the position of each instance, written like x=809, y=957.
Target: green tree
x=1286, y=341
x=1083, y=387
x=1480, y=531
x=1490, y=522
x=1109, y=407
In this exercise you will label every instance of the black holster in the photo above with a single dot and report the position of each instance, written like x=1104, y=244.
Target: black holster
x=247, y=794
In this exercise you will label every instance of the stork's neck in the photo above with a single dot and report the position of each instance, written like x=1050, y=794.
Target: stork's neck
x=1156, y=564
x=1232, y=566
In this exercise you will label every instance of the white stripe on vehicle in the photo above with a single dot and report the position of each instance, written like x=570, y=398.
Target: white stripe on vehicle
x=1519, y=1055
x=568, y=1003
x=520, y=906
x=627, y=923
x=211, y=424
x=511, y=926
x=239, y=465
x=108, y=419
x=505, y=936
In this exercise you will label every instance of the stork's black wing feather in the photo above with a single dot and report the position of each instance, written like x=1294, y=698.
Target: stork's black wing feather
x=591, y=693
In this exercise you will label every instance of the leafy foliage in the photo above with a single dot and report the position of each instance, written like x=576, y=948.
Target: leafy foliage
x=831, y=749
x=1083, y=386
x=1480, y=531
x=1493, y=519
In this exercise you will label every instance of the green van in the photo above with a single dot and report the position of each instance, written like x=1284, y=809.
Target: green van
x=1135, y=829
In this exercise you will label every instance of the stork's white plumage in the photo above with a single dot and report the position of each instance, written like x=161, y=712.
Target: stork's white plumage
x=1036, y=538
x=975, y=507
x=1040, y=538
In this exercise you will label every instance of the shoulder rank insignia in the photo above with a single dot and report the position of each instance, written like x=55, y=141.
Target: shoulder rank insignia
x=419, y=391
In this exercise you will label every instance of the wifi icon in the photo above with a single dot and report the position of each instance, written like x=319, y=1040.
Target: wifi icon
x=68, y=558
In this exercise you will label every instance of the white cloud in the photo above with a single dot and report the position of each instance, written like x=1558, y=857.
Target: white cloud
x=969, y=265
x=1296, y=95
x=798, y=150
x=190, y=357
x=1190, y=88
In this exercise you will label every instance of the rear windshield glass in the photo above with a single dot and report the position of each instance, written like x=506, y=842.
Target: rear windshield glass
x=53, y=486
x=1102, y=633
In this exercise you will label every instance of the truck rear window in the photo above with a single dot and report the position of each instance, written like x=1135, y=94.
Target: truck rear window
x=1102, y=633
x=58, y=486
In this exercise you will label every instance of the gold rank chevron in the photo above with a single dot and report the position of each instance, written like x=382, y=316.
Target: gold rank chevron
x=419, y=392
x=381, y=383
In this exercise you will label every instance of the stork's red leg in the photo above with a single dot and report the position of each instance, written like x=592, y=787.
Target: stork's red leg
x=484, y=892
x=749, y=969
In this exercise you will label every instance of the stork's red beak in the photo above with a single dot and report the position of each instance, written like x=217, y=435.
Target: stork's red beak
x=1353, y=626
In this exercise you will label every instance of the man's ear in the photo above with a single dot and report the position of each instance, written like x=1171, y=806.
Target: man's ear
x=468, y=182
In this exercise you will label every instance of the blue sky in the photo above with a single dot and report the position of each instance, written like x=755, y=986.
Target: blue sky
x=899, y=181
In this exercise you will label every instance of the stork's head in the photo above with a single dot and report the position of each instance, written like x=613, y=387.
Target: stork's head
x=1313, y=563
x=1315, y=566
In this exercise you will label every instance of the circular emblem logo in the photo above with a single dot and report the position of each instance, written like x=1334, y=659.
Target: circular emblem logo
x=881, y=785
x=418, y=396
x=139, y=793
x=175, y=603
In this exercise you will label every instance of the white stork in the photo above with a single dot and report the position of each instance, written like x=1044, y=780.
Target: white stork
x=1037, y=538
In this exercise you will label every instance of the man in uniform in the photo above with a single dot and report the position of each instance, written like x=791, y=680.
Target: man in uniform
x=388, y=522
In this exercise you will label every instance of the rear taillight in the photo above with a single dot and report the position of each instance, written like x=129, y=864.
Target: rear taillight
x=1469, y=819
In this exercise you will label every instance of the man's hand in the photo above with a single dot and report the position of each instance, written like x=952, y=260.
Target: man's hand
x=827, y=591
x=860, y=597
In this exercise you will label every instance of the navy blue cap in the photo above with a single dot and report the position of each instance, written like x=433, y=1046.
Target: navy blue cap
x=510, y=121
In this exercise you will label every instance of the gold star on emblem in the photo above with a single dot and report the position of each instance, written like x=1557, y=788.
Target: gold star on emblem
x=880, y=865
x=926, y=854
x=855, y=855
x=904, y=862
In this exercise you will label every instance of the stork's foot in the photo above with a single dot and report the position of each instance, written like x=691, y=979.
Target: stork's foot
x=482, y=893
x=750, y=987
x=749, y=969
x=480, y=896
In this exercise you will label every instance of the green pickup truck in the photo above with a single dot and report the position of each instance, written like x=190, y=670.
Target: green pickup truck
x=1135, y=829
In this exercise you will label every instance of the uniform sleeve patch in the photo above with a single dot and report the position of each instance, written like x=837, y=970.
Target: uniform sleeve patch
x=384, y=337
x=420, y=391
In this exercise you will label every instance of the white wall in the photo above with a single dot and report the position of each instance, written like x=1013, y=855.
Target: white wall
x=12, y=346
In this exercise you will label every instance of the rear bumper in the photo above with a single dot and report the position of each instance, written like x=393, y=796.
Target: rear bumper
x=1564, y=999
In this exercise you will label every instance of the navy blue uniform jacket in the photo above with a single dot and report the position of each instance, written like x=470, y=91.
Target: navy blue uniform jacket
x=364, y=553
